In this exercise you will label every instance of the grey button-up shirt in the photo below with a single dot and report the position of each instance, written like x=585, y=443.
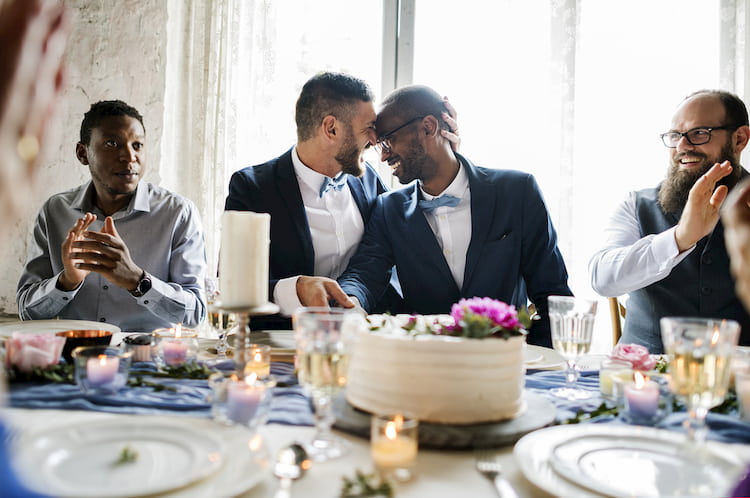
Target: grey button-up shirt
x=164, y=236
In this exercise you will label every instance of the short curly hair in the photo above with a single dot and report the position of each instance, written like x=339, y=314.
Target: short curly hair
x=104, y=109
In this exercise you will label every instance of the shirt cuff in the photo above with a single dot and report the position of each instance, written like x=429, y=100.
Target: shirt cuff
x=664, y=248
x=285, y=295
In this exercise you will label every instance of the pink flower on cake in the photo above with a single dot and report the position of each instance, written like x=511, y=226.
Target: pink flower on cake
x=482, y=316
x=634, y=354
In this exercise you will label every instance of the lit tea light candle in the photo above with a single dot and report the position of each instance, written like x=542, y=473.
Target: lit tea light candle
x=243, y=399
x=610, y=370
x=102, y=370
x=642, y=397
x=175, y=351
x=393, y=445
x=259, y=360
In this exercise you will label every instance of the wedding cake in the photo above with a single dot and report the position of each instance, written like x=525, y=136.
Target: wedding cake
x=399, y=366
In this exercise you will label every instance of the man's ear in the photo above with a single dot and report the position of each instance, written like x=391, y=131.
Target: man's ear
x=430, y=125
x=328, y=125
x=82, y=153
x=741, y=137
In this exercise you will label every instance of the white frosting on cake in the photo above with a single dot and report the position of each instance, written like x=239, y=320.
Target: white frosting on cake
x=437, y=378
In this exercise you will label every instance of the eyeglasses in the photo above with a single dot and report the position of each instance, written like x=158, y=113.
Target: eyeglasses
x=383, y=143
x=696, y=136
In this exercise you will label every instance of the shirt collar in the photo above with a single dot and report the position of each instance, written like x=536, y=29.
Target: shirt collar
x=457, y=187
x=306, y=174
x=139, y=202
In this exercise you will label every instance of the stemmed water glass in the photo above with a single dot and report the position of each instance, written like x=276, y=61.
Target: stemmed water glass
x=324, y=340
x=220, y=321
x=572, y=325
x=700, y=351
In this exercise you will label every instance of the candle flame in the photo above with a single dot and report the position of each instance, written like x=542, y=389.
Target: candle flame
x=390, y=430
x=715, y=336
x=258, y=357
x=178, y=330
x=251, y=379
x=102, y=359
x=640, y=380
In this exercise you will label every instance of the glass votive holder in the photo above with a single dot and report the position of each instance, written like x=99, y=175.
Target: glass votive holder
x=175, y=347
x=742, y=387
x=140, y=345
x=245, y=401
x=101, y=369
x=258, y=360
x=609, y=370
x=645, y=399
x=393, y=445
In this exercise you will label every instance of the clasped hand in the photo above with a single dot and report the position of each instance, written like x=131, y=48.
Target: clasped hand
x=104, y=252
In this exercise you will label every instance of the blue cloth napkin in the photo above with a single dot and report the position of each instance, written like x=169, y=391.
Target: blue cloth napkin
x=289, y=406
x=726, y=428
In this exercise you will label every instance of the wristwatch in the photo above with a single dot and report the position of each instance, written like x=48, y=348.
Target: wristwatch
x=144, y=285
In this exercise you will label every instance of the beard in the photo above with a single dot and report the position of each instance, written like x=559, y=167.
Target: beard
x=675, y=188
x=349, y=155
x=414, y=164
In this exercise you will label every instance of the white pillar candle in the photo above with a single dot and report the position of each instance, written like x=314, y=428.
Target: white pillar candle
x=243, y=260
x=101, y=371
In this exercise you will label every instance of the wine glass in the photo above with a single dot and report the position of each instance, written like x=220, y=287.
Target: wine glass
x=324, y=339
x=700, y=352
x=572, y=324
x=220, y=321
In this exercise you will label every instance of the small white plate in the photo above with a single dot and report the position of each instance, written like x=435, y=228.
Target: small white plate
x=665, y=466
x=531, y=356
x=534, y=454
x=550, y=359
x=52, y=326
x=80, y=460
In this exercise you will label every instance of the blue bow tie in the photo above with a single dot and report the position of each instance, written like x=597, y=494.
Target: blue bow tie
x=443, y=200
x=333, y=183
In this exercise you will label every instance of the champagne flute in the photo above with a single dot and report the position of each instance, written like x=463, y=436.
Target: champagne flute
x=700, y=352
x=324, y=340
x=572, y=325
x=220, y=321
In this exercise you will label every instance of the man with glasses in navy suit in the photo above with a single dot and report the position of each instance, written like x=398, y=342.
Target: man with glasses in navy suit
x=459, y=231
x=319, y=193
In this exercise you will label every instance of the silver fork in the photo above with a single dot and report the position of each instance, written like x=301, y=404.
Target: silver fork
x=490, y=468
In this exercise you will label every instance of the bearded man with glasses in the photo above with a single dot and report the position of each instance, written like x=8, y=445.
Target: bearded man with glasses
x=665, y=245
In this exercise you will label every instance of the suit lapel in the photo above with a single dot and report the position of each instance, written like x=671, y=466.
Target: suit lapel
x=289, y=192
x=358, y=192
x=422, y=239
x=482, y=210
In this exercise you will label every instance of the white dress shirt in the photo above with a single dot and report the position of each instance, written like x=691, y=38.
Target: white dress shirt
x=452, y=225
x=336, y=227
x=627, y=261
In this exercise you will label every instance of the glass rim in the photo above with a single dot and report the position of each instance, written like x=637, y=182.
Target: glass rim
x=96, y=350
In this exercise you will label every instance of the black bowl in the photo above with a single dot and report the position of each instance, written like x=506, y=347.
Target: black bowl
x=75, y=338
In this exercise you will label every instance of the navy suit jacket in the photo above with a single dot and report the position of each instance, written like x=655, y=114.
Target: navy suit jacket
x=512, y=254
x=272, y=188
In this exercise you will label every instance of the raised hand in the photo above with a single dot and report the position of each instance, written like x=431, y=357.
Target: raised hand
x=72, y=275
x=106, y=254
x=451, y=119
x=735, y=214
x=701, y=211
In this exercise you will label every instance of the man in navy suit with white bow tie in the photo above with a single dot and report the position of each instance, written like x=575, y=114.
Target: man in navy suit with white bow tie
x=319, y=193
x=460, y=231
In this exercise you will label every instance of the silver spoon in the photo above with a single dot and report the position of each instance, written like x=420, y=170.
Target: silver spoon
x=291, y=463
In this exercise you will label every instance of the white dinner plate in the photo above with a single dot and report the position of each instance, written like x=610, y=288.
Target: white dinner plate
x=550, y=359
x=81, y=460
x=531, y=356
x=606, y=463
x=52, y=326
x=539, y=452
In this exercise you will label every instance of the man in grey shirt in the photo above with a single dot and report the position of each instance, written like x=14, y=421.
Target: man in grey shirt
x=115, y=249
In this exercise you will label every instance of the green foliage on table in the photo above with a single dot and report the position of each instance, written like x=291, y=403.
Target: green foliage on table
x=584, y=416
x=363, y=485
x=192, y=370
x=127, y=455
x=62, y=373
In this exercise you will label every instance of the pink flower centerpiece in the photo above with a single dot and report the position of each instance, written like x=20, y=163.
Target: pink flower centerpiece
x=634, y=354
x=29, y=351
x=480, y=317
